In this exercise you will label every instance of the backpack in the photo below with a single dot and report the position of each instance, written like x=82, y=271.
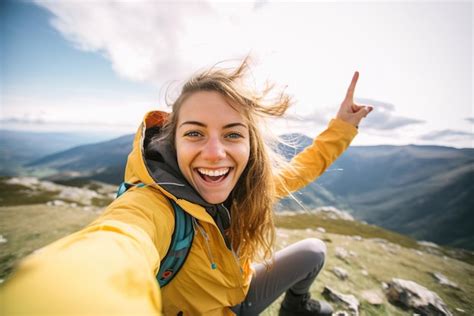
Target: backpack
x=181, y=240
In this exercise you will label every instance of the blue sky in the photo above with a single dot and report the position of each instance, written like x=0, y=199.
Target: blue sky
x=39, y=65
x=100, y=65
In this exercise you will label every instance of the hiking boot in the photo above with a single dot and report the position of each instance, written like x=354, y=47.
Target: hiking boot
x=303, y=305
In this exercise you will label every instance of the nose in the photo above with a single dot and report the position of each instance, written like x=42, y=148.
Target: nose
x=213, y=150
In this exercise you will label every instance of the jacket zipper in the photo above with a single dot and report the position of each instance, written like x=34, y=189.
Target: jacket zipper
x=209, y=251
x=236, y=258
x=206, y=240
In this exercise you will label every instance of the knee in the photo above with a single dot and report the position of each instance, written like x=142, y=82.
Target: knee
x=315, y=249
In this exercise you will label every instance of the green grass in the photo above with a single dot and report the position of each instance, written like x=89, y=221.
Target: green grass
x=356, y=228
x=383, y=262
x=14, y=194
x=345, y=227
x=30, y=227
x=81, y=183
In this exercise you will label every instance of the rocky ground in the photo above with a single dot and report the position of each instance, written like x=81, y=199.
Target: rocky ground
x=376, y=277
x=368, y=271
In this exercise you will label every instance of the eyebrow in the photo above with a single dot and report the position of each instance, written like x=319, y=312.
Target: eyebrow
x=204, y=125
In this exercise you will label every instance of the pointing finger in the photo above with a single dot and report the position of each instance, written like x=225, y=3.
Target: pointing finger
x=350, y=90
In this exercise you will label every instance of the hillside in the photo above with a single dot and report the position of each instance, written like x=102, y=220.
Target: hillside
x=20, y=147
x=421, y=191
x=104, y=161
x=368, y=257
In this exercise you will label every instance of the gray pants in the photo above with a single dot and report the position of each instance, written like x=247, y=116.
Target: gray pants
x=295, y=267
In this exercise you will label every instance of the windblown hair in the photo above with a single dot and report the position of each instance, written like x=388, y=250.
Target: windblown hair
x=252, y=230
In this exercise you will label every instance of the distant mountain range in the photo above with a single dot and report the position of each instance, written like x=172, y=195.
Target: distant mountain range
x=104, y=161
x=20, y=147
x=422, y=191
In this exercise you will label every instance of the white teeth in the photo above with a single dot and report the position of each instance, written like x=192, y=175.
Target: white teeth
x=214, y=173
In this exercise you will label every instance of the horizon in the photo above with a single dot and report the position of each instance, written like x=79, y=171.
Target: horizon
x=66, y=68
x=94, y=137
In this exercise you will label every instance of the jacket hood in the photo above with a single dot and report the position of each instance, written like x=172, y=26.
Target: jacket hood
x=153, y=162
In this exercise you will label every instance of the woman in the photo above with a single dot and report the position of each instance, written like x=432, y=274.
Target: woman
x=208, y=158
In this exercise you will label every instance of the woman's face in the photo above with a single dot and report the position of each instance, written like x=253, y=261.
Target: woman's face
x=212, y=145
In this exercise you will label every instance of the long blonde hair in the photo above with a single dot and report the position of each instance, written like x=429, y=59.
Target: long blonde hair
x=252, y=230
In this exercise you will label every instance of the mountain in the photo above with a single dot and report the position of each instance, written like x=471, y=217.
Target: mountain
x=422, y=191
x=104, y=161
x=20, y=147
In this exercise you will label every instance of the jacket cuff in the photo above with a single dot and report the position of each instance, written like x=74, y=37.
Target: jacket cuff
x=343, y=127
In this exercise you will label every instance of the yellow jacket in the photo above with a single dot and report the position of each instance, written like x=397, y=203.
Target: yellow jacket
x=109, y=267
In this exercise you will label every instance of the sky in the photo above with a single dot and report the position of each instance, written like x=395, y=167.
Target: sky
x=101, y=65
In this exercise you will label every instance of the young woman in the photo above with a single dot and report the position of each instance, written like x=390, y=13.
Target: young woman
x=207, y=157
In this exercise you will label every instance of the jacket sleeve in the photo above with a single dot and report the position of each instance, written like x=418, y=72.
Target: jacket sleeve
x=309, y=164
x=108, y=268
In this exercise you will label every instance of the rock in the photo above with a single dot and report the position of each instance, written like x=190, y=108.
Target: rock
x=321, y=230
x=430, y=248
x=340, y=273
x=347, y=299
x=444, y=280
x=78, y=195
x=334, y=213
x=358, y=238
x=392, y=251
x=24, y=181
x=56, y=203
x=281, y=234
x=2, y=239
x=373, y=297
x=412, y=295
x=288, y=213
x=364, y=272
x=427, y=244
x=379, y=240
x=352, y=253
x=342, y=253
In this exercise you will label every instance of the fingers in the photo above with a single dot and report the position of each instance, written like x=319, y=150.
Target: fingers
x=355, y=108
x=351, y=89
x=364, y=111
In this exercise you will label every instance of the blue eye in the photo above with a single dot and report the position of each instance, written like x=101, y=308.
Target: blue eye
x=192, y=134
x=234, y=135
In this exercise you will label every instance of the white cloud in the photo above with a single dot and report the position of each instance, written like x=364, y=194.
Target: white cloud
x=76, y=112
x=447, y=134
x=152, y=41
x=384, y=117
x=313, y=47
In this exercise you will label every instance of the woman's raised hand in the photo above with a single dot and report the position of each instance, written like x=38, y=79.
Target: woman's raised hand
x=350, y=111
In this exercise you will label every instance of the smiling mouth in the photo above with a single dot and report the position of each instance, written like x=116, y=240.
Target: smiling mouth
x=213, y=175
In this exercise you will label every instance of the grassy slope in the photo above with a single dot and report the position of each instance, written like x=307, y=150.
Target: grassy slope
x=30, y=227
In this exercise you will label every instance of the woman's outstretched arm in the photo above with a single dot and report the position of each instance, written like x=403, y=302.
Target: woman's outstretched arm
x=305, y=167
x=108, y=268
